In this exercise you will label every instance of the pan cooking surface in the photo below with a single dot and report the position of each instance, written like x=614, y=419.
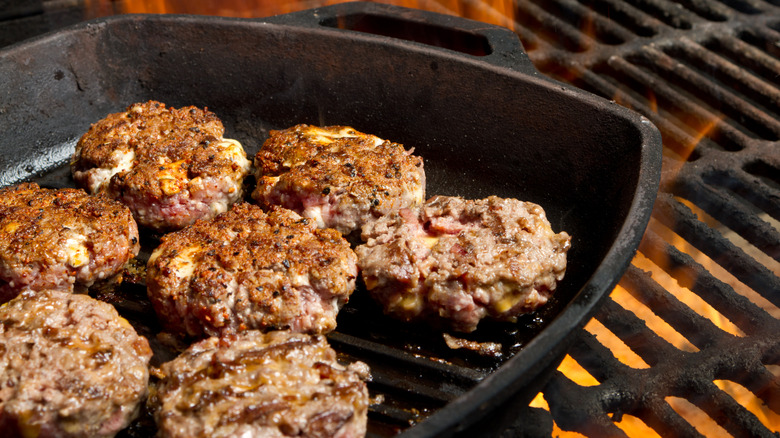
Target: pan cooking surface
x=485, y=124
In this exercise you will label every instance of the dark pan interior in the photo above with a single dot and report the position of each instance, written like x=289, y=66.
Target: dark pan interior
x=482, y=129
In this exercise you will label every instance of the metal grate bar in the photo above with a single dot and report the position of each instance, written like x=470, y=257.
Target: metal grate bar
x=729, y=414
x=589, y=22
x=707, y=106
x=598, y=360
x=678, y=101
x=684, y=222
x=747, y=187
x=734, y=79
x=750, y=318
x=728, y=210
x=699, y=330
x=758, y=380
x=666, y=421
x=633, y=331
x=709, y=10
x=628, y=16
x=734, y=76
x=586, y=415
x=554, y=30
x=747, y=56
x=669, y=12
x=765, y=179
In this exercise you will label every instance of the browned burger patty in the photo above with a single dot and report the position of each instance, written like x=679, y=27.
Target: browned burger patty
x=276, y=384
x=55, y=239
x=70, y=366
x=170, y=166
x=337, y=176
x=457, y=261
x=246, y=269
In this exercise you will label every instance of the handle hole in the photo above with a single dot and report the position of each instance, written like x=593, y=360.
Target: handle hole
x=425, y=33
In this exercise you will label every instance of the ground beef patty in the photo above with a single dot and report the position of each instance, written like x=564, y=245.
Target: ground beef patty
x=276, y=384
x=246, y=269
x=337, y=176
x=457, y=261
x=170, y=166
x=70, y=366
x=55, y=239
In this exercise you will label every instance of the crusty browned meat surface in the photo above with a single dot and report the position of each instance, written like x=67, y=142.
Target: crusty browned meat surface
x=254, y=384
x=246, y=269
x=456, y=261
x=170, y=166
x=70, y=366
x=55, y=239
x=337, y=176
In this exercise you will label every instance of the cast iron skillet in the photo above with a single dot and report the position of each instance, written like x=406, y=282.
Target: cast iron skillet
x=462, y=93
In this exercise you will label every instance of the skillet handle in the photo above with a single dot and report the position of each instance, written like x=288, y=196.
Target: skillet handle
x=482, y=41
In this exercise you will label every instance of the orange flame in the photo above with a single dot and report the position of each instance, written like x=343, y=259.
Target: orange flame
x=500, y=12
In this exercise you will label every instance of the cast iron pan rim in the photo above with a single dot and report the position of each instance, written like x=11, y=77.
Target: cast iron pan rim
x=506, y=49
x=557, y=336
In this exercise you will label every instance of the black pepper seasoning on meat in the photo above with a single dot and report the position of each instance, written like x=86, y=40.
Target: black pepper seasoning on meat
x=455, y=262
x=310, y=394
x=330, y=174
x=61, y=239
x=247, y=259
x=169, y=166
x=56, y=379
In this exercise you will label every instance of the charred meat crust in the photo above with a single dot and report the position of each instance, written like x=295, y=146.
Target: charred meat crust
x=61, y=238
x=247, y=269
x=70, y=366
x=336, y=175
x=456, y=261
x=260, y=384
x=170, y=166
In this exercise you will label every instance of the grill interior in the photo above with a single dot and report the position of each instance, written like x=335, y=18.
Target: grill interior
x=707, y=74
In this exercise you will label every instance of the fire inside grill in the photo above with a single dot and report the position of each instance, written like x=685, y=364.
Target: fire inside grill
x=687, y=344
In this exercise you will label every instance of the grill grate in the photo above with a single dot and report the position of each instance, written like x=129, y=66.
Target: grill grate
x=707, y=74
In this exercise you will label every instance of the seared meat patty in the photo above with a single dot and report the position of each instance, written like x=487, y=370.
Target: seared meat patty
x=170, y=166
x=456, y=261
x=70, y=366
x=254, y=384
x=246, y=269
x=55, y=239
x=337, y=176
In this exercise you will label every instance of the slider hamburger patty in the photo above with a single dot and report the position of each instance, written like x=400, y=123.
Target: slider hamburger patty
x=70, y=366
x=337, y=176
x=246, y=269
x=58, y=239
x=276, y=384
x=457, y=261
x=170, y=166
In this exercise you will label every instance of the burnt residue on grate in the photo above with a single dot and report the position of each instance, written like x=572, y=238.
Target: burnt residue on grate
x=706, y=73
